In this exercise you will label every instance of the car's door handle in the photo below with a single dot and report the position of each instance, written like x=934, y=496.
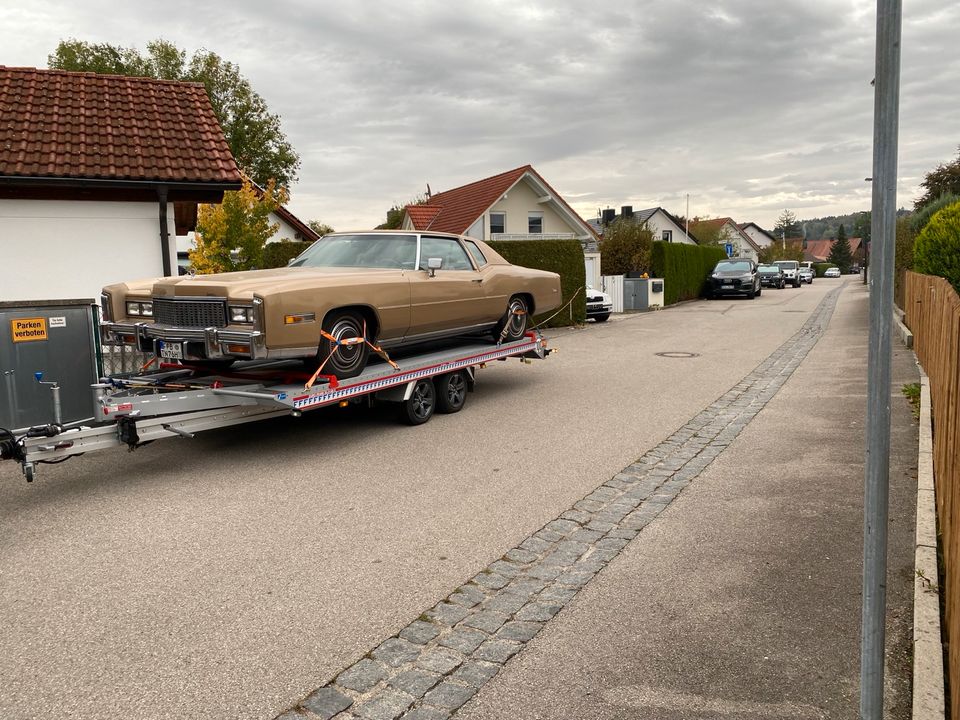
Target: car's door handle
x=478, y=280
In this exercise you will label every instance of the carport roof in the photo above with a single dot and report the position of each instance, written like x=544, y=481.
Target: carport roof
x=108, y=129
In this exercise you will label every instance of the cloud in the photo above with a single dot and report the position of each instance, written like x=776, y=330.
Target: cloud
x=614, y=103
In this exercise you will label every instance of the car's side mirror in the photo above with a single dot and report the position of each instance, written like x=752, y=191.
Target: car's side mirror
x=434, y=264
x=290, y=261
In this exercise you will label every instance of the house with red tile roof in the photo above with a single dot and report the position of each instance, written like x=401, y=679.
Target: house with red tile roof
x=729, y=232
x=97, y=174
x=819, y=250
x=514, y=205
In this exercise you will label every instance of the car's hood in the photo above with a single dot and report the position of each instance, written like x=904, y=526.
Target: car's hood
x=597, y=296
x=253, y=281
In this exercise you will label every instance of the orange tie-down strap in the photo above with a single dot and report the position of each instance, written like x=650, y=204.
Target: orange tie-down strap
x=506, y=327
x=347, y=342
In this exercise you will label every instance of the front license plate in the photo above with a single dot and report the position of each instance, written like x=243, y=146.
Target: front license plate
x=727, y=287
x=171, y=351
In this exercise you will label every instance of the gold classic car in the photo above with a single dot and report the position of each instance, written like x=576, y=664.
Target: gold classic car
x=342, y=295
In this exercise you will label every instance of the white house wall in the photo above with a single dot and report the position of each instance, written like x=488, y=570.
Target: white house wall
x=658, y=222
x=522, y=198
x=58, y=249
x=761, y=239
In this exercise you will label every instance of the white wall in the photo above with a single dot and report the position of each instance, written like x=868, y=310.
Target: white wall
x=658, y=222
x=60, y=249
x=520, y=200
x=758, y=237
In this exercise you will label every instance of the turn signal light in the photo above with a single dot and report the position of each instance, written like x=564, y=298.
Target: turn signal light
x=238, y=349
x=299, y=318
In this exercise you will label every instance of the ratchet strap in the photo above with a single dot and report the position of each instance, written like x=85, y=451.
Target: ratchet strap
x=347, y=342
x=506, y=327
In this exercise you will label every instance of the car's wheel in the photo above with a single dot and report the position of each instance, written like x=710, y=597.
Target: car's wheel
x=759, y=291
x=419, y=407
x=751, y=294
x=515, y=321
x=451, y=392
x=343, y=361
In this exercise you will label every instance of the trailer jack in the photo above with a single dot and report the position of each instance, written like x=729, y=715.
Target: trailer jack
x=127, y=432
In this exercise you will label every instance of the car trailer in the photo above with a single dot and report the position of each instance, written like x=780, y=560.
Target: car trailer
x=182, y=400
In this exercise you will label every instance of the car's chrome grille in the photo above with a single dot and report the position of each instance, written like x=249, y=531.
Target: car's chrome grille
x=192, y=313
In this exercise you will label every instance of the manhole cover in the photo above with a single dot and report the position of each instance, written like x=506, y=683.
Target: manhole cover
x=677, y=354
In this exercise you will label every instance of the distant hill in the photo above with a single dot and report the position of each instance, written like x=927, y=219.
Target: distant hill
x=826, y=227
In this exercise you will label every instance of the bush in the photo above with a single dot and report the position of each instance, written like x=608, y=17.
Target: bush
x=625, y=248
x=821, y=268
x=278, y=254
x=684, y=269
x=920, y=218
x=564, y=257
x=937, y=248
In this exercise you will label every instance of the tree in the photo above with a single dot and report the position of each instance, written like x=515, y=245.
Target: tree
x=776, y=251
x=258, y=145
x=787, y=225
x=937, y=248
x=319, y=228
x=625, y=248
x=707, y=233
x=943, y=179
x=840, y=253
x=230, y=236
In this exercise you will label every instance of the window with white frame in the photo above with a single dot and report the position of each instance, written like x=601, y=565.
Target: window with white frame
x=498, y=222
x=667, y=236
x=535, y=223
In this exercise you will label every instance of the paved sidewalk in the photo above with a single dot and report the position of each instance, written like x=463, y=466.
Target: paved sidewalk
x=716, y=576
x=742, y=598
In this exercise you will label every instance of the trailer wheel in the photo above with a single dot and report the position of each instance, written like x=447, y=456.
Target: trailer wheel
x=345, y=361
x=451, y=392
x=514, y=320
x=419, y=407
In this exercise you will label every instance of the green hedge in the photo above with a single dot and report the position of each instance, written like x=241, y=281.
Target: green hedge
x=564, y=257
x=684, y=269
x=278, y=254
x=821, y=268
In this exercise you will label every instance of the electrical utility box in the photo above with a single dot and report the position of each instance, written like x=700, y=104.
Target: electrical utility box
x=57, y=338
x=642, y=293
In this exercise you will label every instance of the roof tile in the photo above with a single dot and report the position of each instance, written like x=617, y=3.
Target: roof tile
x=88, y=126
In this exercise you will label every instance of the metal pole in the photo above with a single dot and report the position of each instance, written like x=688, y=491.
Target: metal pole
x=876, y=481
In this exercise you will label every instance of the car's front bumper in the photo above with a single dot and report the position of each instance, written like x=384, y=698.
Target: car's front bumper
x=196, y=343
x=771, y=281
x=594, y=309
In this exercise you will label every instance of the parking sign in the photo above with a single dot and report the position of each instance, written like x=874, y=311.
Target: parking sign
x=729, y=248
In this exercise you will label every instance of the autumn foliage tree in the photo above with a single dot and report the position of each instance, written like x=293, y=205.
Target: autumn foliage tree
x=625, y=248
x=231, y=236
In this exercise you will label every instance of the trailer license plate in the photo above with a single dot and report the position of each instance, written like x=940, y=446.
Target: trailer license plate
x=171, y=351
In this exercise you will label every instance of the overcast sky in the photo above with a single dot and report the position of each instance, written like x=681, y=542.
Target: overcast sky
x=747, y=106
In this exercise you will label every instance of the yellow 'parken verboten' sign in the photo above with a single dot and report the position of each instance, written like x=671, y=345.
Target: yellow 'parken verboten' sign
x=27, y=329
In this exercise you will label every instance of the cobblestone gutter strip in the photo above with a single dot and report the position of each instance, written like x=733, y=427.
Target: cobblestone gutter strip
x=441, y=659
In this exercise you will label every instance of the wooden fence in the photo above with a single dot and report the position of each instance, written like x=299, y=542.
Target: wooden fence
x=932, y=312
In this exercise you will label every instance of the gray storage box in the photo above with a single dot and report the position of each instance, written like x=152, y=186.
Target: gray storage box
x=57, y=338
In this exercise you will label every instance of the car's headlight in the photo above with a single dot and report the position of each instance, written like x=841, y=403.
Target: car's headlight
x=139, y=308
x=241, y=314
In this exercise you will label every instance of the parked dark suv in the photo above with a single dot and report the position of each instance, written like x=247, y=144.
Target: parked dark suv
x=771, y=276
x=735, y=276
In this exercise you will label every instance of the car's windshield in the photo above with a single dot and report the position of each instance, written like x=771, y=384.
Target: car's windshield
x=788, y=264
x=731, y=266
x=369, y=251
x=768, y=268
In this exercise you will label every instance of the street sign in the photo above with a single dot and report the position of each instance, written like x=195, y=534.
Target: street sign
x=729, y=249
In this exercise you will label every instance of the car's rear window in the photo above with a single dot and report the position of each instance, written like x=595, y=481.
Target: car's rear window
x=369, y=251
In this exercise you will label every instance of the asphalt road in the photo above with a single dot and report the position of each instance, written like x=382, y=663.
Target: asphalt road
x=230, y=575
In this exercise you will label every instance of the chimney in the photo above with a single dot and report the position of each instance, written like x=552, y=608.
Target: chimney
x=608, y=216
x=626, y=212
